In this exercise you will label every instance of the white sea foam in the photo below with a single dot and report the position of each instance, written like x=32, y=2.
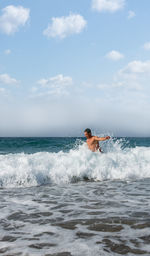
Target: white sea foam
x=63, y=167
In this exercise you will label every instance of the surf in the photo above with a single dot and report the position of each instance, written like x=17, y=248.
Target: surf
x=118, y=162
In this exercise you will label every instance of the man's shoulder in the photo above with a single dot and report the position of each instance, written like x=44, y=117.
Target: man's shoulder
x=93, y=138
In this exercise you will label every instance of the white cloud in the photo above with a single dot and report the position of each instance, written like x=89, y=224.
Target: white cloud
x=7, y=51
x=64, y=26
x=34, y=89
x=103, y=86
x=137, y=66
x=115, y=55
x=55, y=81
x=147, y=46
x=56, y=85
x=135, y=76
x=12, y=18
x=6, y=79
x=131, y=15
x=108, y=5
x=2, y=90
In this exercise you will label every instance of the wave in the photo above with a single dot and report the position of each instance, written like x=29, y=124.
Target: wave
x=118, y=162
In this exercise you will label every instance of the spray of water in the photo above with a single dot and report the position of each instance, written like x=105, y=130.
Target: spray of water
x=117, y=162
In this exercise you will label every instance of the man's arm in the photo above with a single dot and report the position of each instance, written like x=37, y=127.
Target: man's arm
x=101, y=138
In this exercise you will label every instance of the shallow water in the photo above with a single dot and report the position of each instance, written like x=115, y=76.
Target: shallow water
x=75, y=202
x=85, y=218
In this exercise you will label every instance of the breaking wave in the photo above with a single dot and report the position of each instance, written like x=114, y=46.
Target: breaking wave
x=79, y=163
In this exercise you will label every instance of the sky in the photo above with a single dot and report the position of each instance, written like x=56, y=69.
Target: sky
x=67, y=65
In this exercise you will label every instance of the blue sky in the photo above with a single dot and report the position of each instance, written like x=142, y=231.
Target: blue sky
x=67, y=65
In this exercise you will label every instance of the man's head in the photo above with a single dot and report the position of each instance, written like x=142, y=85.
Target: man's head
x=87, y=133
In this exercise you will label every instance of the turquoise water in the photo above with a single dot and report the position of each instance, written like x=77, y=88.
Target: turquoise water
x=59, y=198
x=33, y=145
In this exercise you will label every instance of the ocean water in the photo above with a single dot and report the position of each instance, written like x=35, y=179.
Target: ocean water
x=59, y=198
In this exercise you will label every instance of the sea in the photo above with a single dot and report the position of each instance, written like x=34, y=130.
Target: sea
x=57, y=198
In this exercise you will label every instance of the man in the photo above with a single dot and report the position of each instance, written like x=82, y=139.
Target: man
x=93, y=141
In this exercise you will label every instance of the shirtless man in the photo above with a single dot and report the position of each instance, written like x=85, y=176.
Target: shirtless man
x=93, y=141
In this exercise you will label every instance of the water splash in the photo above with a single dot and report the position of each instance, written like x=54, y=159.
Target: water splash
x=118, y=162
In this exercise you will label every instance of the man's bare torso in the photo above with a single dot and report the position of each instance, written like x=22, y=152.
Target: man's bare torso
x=93, y=145
x=93, y=141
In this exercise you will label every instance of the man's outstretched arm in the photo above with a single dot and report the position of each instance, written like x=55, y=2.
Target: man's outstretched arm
x=101, y=138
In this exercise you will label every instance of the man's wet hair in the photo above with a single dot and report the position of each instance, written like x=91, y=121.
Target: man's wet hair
x=87, y=130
